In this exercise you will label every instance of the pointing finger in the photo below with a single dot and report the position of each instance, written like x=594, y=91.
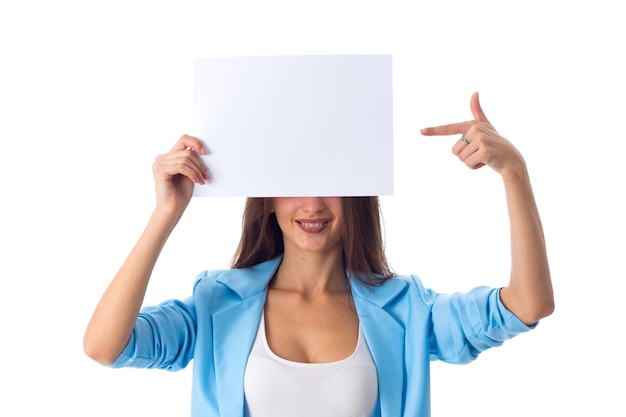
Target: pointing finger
x=445, y=130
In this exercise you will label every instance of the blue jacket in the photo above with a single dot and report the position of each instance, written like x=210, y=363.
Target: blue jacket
x=405, y=326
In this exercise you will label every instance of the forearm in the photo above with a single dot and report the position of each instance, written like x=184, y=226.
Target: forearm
x=114, y=317
x=529, y=294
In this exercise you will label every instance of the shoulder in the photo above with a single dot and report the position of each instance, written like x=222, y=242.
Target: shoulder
x=208, y=280
x=208, y=277
x=397, y=289
x=239, y=283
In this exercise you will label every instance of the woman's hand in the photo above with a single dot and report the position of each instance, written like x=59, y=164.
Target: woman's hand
x=529, y=294
x=480, y=143
x=176, y=172
x=115, y=315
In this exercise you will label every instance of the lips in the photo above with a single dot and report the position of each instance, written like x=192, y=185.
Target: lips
x=313, y=225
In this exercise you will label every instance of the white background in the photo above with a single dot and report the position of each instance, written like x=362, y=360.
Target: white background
x=91, y=92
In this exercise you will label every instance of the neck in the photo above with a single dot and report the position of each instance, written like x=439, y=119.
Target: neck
x=311, y=273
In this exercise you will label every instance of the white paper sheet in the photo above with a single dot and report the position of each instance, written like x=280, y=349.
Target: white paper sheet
x=304, y=125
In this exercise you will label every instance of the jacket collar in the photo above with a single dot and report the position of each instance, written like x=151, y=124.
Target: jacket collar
x=251, y=281
x=380, y=295
x=235, y=327
x=237, y=280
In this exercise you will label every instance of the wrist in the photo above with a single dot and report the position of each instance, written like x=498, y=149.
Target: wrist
x=166, y=217
x=514, y=172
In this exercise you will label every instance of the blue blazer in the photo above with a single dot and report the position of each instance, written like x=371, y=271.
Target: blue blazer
x=405, y=326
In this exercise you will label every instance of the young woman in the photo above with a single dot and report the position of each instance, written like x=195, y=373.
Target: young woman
x=310, y=320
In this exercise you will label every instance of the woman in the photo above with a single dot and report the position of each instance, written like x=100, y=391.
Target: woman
x=310, y=320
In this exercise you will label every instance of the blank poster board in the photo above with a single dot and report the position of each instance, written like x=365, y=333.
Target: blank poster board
x=304, y=125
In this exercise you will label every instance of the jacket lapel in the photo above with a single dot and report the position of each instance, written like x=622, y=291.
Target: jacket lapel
x=234, y=330
x=385, y=338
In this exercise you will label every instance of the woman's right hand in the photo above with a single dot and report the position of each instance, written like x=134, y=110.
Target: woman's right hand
x=115, y=315
x=176, y=172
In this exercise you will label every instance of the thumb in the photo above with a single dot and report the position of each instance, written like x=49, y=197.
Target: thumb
x=477, y=111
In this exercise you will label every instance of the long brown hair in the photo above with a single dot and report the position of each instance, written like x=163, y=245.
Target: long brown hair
x=363, y=246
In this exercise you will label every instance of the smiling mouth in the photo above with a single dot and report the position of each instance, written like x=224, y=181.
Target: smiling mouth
x=313, y=226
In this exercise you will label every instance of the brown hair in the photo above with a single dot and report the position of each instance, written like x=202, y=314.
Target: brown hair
x=363, y=247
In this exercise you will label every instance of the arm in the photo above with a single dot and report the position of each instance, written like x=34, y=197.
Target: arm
x=529, y=294
x=113, y=319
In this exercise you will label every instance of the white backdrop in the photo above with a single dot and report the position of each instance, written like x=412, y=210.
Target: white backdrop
x=91, y=92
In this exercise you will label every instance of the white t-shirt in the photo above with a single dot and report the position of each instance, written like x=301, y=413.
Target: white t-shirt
x=276, y=387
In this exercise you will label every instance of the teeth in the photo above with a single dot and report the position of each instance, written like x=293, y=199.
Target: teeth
x=313, y=224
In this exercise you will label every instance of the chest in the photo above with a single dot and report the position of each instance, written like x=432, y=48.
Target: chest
x=311, y=331
x=275, y=386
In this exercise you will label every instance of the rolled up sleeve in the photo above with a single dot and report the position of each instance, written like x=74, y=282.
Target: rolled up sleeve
x=163, y=337
x=466, y=324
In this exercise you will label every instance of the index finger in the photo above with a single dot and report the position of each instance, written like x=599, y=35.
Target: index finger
x=445, y=130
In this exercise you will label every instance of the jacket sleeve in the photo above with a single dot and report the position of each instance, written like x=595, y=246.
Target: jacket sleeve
x=465, y=324
x=163, y=337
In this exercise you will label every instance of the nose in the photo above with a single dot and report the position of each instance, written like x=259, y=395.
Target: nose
x=313, y=204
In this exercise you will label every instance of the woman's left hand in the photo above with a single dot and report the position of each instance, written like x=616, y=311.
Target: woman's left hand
x=480, y=143
x=529, y=294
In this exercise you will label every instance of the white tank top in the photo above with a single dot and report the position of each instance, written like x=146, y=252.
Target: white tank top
x=276, y=387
